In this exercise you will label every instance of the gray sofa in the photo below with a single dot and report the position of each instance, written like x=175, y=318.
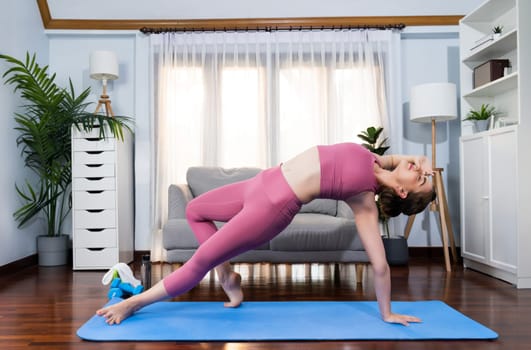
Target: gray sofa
x=323, y=230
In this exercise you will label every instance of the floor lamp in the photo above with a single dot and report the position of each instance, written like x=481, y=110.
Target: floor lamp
x=432, y=103
x=104, y=67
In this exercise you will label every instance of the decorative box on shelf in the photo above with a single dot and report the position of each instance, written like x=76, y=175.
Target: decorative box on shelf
x=489, y=71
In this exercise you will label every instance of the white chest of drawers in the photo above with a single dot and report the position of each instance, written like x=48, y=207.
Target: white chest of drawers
x=102, y=200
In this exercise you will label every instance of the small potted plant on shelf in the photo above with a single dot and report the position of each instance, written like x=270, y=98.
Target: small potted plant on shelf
x=396, y=248
x=44, y=124
x=481, y=117
x=497, y=31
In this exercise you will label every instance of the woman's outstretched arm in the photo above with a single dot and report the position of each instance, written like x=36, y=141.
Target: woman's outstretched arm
x=366, y=216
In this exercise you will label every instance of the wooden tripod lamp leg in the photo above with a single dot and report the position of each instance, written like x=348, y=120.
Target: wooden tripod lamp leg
x=443, y=207
x=106, y=104
x=108, y=108
x=447, y=234
x=409, y=225
x=444, y=217
x=98, y=107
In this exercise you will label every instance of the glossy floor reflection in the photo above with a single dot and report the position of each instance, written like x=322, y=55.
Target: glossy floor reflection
x=43, y=307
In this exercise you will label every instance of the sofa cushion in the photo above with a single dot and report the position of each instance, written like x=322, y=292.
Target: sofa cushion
x=177, y=234
x=203, y=179
x=317, y=232
x=320, y=206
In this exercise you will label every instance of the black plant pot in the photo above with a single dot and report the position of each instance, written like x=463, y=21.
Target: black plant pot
x=396, y=250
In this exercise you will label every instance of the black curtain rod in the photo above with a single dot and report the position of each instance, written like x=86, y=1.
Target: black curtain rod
x=150, y=30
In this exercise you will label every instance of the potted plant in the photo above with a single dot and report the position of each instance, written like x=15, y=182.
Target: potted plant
x=396, y=248
x=372, y=142
x=44, y=124
x=481, y=117
x=497, y=31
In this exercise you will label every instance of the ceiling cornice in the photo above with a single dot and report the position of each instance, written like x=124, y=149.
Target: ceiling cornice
x=238, y=23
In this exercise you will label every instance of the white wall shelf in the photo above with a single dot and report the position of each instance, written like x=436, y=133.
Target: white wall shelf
x=493, y=49
x=490, y=132
x=496, y=87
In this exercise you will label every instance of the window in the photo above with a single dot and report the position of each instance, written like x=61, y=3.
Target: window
x=242, y=117
x=232, y=104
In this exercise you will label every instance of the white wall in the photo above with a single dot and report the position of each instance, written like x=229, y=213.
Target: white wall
x=20, y=31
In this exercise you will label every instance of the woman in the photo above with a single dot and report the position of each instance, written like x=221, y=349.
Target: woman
x=256, y=210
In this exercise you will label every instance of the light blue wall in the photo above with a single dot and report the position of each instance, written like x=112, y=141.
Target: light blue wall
x=431, y=55
x=20, y=30
x=129, y=95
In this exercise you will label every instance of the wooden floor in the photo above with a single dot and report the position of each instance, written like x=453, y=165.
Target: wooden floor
x=41, y=308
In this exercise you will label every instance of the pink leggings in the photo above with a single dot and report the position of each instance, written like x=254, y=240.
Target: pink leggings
x=255, y=211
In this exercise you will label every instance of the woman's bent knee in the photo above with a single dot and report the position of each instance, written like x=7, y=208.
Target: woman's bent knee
x=191, y=213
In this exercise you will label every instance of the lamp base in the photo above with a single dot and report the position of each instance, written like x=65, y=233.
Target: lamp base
x=105, y=102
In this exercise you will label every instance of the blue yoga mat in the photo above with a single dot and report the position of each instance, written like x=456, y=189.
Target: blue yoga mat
x=297, y=320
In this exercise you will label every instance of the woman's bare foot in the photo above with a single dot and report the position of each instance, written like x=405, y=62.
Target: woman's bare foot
x=118, y=312
x=232, y=285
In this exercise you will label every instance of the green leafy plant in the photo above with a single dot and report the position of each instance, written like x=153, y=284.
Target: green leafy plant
x=483, y=113
x=44, y=125
x=373, y=142
x=371, y=137
x=497, y=29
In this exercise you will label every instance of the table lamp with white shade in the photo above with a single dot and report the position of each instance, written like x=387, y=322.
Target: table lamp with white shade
x=104, y=67
x=432, y=103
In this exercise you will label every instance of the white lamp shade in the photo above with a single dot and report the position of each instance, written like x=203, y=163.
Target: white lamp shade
x=103, y=65
x=433, y=101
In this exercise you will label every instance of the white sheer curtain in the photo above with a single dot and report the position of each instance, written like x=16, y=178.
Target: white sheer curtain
x=257, y=98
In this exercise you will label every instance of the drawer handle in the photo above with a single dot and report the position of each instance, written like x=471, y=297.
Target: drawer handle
x=95, y=192
x=95, y=249
x=94, y=165
x=94, y=152
x=95, y=210
x=95, y=229
x=92, y=139
x=94, y=178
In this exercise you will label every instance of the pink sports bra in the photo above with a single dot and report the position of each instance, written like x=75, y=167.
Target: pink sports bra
x=346, y=170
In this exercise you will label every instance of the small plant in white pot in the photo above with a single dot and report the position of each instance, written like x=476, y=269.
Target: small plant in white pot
x=481, y=117
x=396, y=248
x=497, y=31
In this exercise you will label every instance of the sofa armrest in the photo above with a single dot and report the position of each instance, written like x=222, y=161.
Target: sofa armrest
x=343, y=210
x=178, y=198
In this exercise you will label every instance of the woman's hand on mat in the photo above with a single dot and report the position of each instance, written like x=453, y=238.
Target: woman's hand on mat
x=402, y=319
